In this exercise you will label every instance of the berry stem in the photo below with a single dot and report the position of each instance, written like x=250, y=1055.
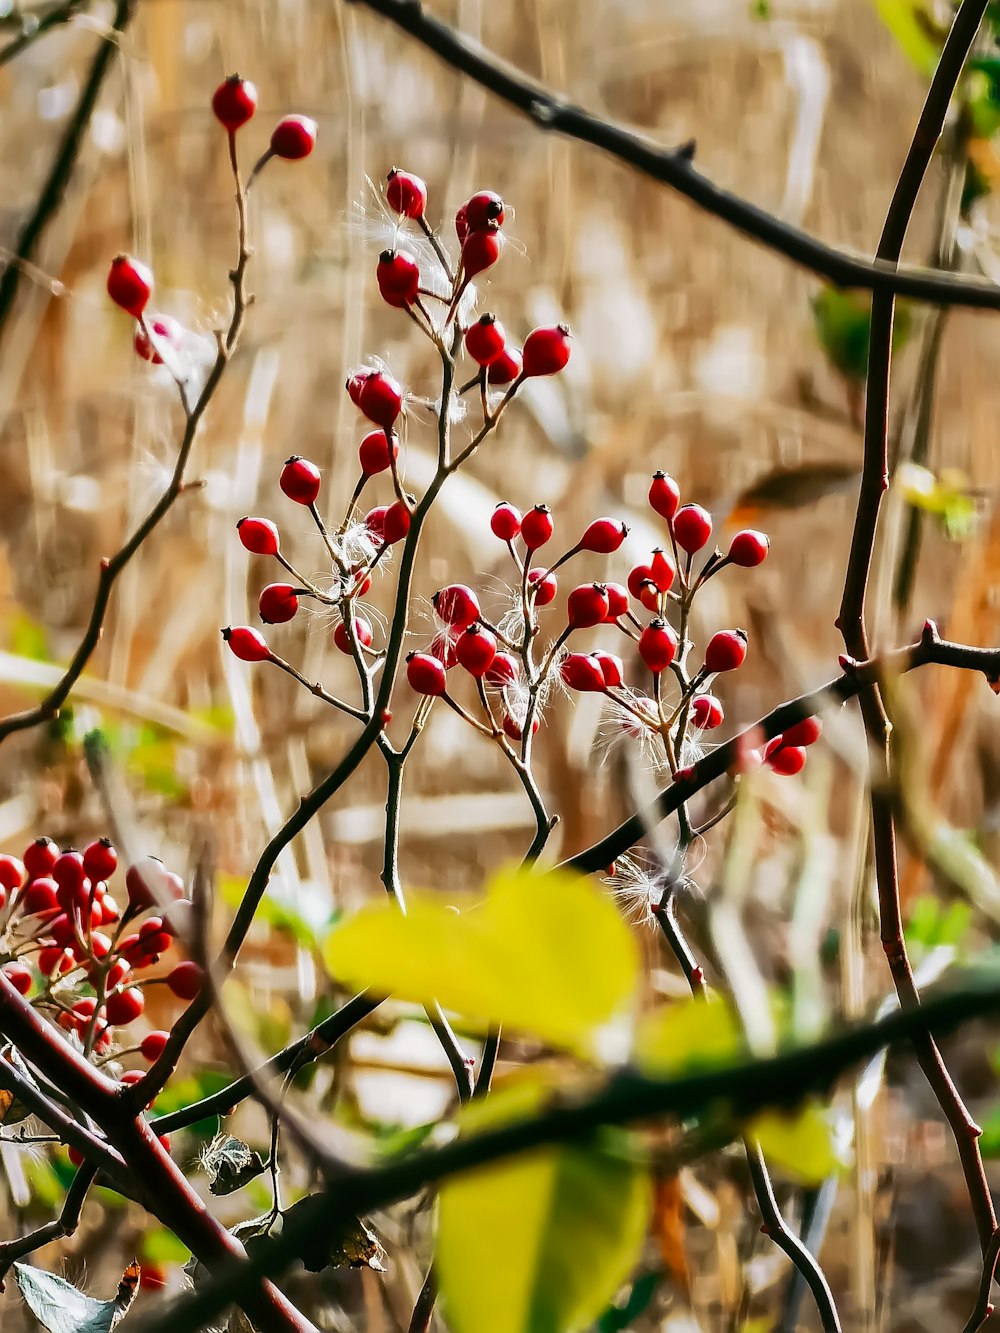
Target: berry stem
x=438, y=249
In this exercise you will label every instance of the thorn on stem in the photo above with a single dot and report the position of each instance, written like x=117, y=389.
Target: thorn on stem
x=929, y=633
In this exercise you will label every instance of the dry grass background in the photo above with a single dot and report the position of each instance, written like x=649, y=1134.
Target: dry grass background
x=694, y=352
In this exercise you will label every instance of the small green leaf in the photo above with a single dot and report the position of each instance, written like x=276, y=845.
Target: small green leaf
x=543, y=953
x=27, y=637
x=160, y=1246
x=909, y=24
x=60, y=1308
x=539, y=1243
x=843, y=322
x=801, y=1143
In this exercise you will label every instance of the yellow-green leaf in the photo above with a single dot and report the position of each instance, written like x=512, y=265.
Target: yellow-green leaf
x=544, y=953
x=802, y=1143
x=910, y=25
x=691, y=1034
x=539, y=1243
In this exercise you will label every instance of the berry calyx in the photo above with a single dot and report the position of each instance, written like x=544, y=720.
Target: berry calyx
x=657, y=645
x=692, y=528
x=542, y=585
x=603, y=536
x=475, y=649
x=507, y=367
x=804, y=733
x=482, y=211
x=664, y=495
x=612, y=668
x=545, y=351
x=398, y=277
x=457, y=605
x=293, y=138
x=378, y=395
x=485, y=340
x=726, y=650
x=505, y=522
x=185, y=980
x=581, y=672
x=362, y=632
x=706, y=712
x=787, y=760
x=505, y=670
x=373, y=452
x=405, y=193
x=537, y=526
x=153, y=1044
x=234, y=102
x=426, y=674
x=258, y=535
x=396, y=523
x=481, y=251
x=749, y=548
x=167, y=330
x=130, y=284
x=246, y=643
x=587, y=605
x=300, y=480
x=100, y=860
x=277, y=604
x=40, y=857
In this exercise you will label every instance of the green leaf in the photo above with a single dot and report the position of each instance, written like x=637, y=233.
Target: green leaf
x=160, y=1246
x=843, y=323
x=60, y=1308
x=909, y=24
x=801, y=1143
x=279, y=915
x=539, y=1243
x=617, y=1318
x=543, y=953
x=27, y=637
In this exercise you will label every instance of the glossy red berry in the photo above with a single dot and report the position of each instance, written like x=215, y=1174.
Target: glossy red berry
x=638, y=577
x=19, y=977
x=475, y=649
x=587, y=605
x=55, y=961
x=505, y=670
x=581, y=672
x=109, y=910
x=481, y=251
x=362, y=632
x=537, y=527
x=426, y=674
x=543, y=585
x=485, y=340
x=461, y=226
x=165, y=329
x=396, y=523
x=484, y=210
x=457, y=605
x=130, y=284
x=706, y=712
x=804, y=733
x=293, y=138
x=515, y=729
x=68, y=870
x=75, y=1156
x=726, y=650
x=546, y=350
x=664, y=495
x=146, y=881
x=374, y=521
x=124, y=1006
x=442, y=646
x=507, y=367
x=612, y=668
x=657, y=645
x=185, y=980
x=603, y=536
x=662, y=570
x=355, y=385
x=405, y=193
x=246, y=643
x=277, y=603
x=373, y=452
x=617, y=602
x=398, y=277
x=787, y=760
x=380, y=397
x=39, y=857
x=11, y=873
x=234, y=102
x=100, y=860
x=505, y=522
x=117, y=973
x=153, y=1044
x=39, y=896
x=692, y=528
x=258, y=535
x=300, y=480
x=749, y=548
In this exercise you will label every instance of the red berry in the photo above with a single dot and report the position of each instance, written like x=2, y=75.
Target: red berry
x=749, y=548
x=373, y=452
x=374, y=521
x=234, y=102
x=442, y=646
x=662, y=570
x=153, y=1044
x=100, y=860
x=505, y=670
x=461, y=225
x=692, y=528
x=355, y=384
x=164, y=1141
x=124, y=1006
x=507, y=367
x=587, y=605
x=612, y=667
x=515, y=729
x=185, y=980
x=546, y=350
x=604, y=536
x=40, y=857
x=475, y=649
x=55, y=960
x=617, y=602
x=293, y=138
x=657, y=645
x=457, y=605
x=130, y=284
x=483, y=210
x=405, y=193
x=804, y=733
x=706, y=712
x=581, y=672
x=362, y=632
x=248, y=644
x=364, y=581
x=664, y=495
x=152, y=1276
x=109, y=910
x=638, y=577
x=380, y=398
x=481, y=251
x=39, y=897
x=543, y=585
x=277, y=603
x=75, y=1156
x=68, y=870
x=19, y=977
x=166, y=329
x=11, y=873
x=398, y=277
x=395, y=523
x=787, y=760
x=726, y=650
x=426, y=674
x=485, y=340
x=131, y=1077
x=117, y=972
x=258, y=535
x=146, y=881
x=505, y=522
x=537, y=527
x=300, y=480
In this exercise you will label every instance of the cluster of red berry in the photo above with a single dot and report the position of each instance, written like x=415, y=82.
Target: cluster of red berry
x=65, y=945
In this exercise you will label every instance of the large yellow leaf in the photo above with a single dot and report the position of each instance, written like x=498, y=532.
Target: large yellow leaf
x=688, y=1035
x=539, y=1243
x=543, y=953
x=801, y=1143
